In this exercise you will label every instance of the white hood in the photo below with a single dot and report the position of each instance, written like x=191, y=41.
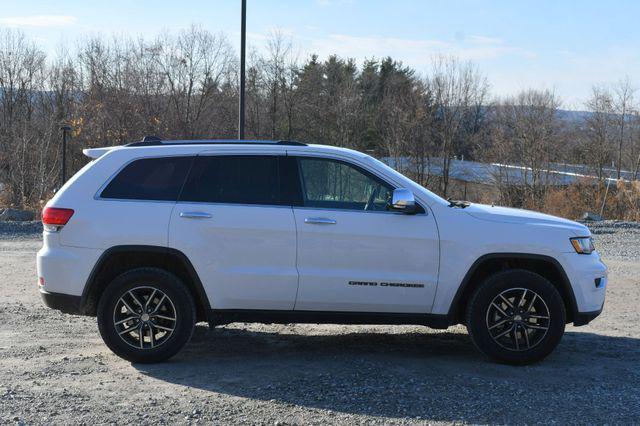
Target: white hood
x=519, y=216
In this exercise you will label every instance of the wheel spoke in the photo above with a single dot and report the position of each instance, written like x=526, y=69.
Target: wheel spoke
x=135, y=299
x=164, y=317
x=164, y=296
x=129, y=308
x=141, y=336
x=151, y=342
x=539, y=317
x=535, y=327
x=161, y=327
x=146, y=304
x=522, y=298
x=125, y=320
x=533, y=299
x=499, y=323
x=515, y=336
x=526, y=337
x=504, y=333
x=499, y=309
x=507, y=301
x=127, y=330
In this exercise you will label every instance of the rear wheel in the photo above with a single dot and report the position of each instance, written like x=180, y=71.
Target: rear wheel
x=146, y=315
x=516, y=317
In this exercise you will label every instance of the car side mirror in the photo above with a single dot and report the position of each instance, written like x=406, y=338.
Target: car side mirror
x=403, y=201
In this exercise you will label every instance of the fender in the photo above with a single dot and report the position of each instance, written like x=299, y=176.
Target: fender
x=466, y=286
x=87, y=304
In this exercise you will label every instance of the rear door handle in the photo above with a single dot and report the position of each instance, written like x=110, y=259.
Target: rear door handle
x=320, y=221
x=195, y=215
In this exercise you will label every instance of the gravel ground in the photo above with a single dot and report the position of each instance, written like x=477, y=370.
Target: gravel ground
x=20, y=230
x=54, y=368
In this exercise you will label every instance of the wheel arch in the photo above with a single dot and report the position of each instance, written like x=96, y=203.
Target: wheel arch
x=488, y=264
x=118, y=259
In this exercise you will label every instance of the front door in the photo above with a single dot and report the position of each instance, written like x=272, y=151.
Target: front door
x=238, y=232
x=353, y=254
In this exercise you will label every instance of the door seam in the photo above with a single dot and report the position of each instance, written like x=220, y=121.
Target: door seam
x=295, y=225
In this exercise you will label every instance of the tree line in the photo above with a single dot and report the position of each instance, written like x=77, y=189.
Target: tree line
x=185, y=86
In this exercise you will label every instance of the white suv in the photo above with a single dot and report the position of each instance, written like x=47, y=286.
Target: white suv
x=154, y=236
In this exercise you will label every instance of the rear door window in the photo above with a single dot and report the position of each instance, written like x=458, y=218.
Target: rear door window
x=234, y=179
x=149, y=179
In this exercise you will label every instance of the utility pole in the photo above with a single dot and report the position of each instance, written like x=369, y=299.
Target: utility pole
x=243, y=42
x=63, y=161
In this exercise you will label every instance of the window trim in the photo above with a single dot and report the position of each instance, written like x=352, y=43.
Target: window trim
x=296, y=156
x=98, y=195
x=359, y=168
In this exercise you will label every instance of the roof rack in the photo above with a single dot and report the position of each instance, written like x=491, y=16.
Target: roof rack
x=156, y=141
x=151, y=139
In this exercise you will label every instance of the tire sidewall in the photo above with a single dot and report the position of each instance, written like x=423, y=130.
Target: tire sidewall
x=496, y=284
x=173, y=288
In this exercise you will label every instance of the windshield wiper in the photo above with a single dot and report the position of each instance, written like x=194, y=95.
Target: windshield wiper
x=458, y=203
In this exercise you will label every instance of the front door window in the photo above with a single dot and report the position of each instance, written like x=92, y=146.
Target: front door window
x=331, y=184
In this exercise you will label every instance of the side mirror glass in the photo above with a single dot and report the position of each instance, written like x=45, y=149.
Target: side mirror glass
x=403, y=201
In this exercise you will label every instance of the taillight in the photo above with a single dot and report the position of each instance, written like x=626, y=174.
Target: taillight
x=54, y=217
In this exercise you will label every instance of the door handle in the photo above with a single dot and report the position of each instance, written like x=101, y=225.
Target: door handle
x=320, y=221
x=195, y=215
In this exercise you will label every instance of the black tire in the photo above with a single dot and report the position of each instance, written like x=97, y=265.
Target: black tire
x=178, y=304
x=525, y=341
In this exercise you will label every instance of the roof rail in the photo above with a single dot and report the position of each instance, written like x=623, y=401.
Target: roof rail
x=156, y=141
x=151, y=139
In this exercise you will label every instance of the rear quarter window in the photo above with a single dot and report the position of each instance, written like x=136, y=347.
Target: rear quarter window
x=149, y=179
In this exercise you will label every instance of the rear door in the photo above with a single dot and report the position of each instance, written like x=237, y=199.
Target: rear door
x=234, y=225
x=353, y=254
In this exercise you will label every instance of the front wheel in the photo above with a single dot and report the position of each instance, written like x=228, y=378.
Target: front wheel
x=146, y=315
x=516, y=317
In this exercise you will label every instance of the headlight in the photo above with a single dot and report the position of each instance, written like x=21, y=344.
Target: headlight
x=583, y=245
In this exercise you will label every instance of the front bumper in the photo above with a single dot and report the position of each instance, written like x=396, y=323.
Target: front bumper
x=66, y=303
x=584, y=318
x=588, y=277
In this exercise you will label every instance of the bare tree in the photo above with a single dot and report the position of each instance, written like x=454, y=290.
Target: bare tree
x=599, y=129
x=25, y=110
x=622, y=104
x=185, y=85
x=457, y=87
x=527, y=135
x=275, y=75
x=194, y=64
x=634, y=152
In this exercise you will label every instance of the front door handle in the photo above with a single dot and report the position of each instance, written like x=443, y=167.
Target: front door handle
x=320, y=221
x=195, y=215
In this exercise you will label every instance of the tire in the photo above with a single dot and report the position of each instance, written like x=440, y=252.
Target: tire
x=508, y=334
x=167, y=326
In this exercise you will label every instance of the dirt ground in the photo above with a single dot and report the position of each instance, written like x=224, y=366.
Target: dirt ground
x=55, y=369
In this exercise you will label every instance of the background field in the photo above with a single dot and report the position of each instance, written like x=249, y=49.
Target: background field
x=55, y=369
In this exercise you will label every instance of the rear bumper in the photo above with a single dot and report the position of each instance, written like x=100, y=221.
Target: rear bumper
x=63, y=272
x=66, y=303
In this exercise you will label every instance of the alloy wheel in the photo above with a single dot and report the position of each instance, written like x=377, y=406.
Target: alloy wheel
x=144, y=317
x=518, y=319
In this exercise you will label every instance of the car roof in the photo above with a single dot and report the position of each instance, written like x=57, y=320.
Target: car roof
x=178, y=147
x=155, y=141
